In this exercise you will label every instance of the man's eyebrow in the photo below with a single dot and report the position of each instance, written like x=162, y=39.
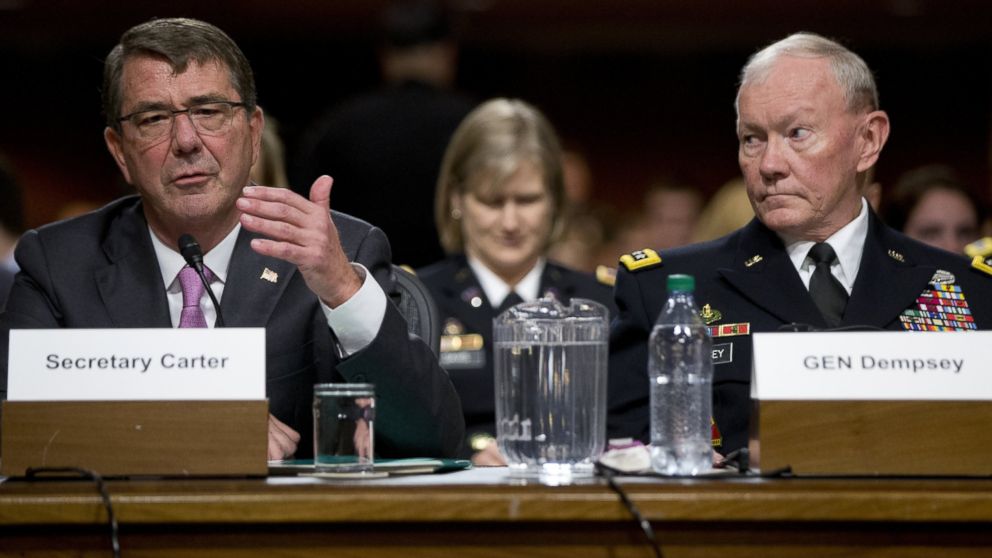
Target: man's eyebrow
x=207, y=98
x=142, y=106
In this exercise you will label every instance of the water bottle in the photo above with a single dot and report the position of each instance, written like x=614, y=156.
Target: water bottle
x=681, y=374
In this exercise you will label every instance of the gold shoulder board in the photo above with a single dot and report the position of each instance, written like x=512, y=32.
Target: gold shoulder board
x=982, y=264
x=606, y=275
x=640, y=259
x=980, y=247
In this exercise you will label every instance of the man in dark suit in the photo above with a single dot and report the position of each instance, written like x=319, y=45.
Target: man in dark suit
x=816, y=255
x=184, y=129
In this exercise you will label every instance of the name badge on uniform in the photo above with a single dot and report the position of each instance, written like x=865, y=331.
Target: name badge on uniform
x=723, y=353
x=462, y=351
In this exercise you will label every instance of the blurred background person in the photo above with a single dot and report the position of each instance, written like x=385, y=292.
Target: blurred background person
x=671, y=210
x=384, y=149
x=499, y=201
x=270, y=167
x=11, y=227
x=728, y=210
x=582, y=233
x=932, y=205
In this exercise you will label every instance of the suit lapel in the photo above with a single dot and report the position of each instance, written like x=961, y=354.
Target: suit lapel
x=131, y=282
x=255, y=284
x=886, y=283
x=763, y=273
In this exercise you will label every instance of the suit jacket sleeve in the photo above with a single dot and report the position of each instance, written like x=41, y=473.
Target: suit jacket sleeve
x=417, y=408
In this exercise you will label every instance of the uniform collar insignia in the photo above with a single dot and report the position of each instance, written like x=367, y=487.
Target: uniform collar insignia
x=552, y=292
x=473, y=296
x=896, y=256
x=753, y=260
x=710, y=315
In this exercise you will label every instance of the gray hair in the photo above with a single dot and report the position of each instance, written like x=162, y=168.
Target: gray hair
x=850, y=70
x=178, y=41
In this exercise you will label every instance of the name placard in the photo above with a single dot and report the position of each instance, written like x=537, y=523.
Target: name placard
x=872, y=366
x=136, y=364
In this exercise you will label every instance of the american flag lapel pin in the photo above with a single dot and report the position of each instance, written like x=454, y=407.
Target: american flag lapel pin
x=270, y=276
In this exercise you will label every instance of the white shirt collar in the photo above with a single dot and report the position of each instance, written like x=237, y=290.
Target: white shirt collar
x=496, y=289
x=848, y=243
x=170, y=262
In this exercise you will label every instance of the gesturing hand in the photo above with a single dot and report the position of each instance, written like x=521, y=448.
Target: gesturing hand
x=301, y=232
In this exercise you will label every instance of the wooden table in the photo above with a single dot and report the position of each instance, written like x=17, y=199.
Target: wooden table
x=480, y=513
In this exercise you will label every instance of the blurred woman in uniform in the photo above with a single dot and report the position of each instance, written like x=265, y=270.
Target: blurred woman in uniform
x=498, y=205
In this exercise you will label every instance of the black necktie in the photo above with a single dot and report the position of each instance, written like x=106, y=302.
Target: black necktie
x=827, y=292
x=511, y=299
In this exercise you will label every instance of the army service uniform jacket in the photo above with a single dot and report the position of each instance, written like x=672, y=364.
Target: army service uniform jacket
x=746, y=283
x=466, y=343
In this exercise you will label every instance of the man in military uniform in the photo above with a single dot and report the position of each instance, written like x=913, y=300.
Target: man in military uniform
x=815, y=256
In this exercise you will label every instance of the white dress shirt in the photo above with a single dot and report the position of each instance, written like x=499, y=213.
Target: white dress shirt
x=355, y=323
x=496, y=289
x=848, y=243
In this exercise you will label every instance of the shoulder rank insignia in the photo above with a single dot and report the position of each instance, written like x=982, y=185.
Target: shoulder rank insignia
x=983, y=264
x=640, y=259
x=980, y=247
x=606, y=275
x=709, y=315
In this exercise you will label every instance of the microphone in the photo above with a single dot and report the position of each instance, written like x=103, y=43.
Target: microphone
x=193, y=254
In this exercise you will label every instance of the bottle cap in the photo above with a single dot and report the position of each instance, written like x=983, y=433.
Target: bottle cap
x=681, y=283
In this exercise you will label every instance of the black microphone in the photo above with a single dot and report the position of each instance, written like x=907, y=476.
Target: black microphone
x=193, y=254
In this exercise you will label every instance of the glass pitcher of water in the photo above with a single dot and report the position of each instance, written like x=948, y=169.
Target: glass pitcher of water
x=550, y=368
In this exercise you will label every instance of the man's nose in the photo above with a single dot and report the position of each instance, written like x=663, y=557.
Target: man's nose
x=185, y=137
x=773, y=164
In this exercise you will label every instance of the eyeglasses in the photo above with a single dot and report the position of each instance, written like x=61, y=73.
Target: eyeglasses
x=207, y=118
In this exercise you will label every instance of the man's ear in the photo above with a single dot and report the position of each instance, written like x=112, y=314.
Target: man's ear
x=874, y=134
x=256, y=123
x=115, y=144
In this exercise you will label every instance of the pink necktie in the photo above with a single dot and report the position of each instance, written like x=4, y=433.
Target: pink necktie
x=192, y=314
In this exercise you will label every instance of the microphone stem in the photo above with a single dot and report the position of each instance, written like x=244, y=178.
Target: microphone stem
x=210, y=293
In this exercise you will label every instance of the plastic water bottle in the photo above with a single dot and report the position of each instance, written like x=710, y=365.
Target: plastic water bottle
x=681, y=369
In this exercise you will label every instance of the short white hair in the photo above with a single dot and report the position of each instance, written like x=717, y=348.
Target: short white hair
x=851, y=72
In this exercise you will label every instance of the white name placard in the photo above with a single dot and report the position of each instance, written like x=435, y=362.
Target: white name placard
x=136, y=364
x=890, y=365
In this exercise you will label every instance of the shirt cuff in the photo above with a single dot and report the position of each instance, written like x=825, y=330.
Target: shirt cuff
x=356, y=322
